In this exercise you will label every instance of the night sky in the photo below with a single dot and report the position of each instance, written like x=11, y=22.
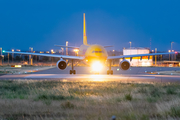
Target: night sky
x=41, y=24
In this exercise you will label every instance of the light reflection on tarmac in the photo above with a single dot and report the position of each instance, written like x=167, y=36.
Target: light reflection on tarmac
x=137, y=74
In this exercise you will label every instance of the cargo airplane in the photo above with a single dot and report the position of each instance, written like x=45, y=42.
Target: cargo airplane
x=94, y=55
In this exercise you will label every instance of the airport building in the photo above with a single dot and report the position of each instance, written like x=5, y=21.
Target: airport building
x=138, y=61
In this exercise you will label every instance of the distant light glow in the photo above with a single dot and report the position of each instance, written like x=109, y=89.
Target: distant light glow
x=146, y=63
x=52, y=51
x=76, y=50
x=18, y=66
x=96, y=66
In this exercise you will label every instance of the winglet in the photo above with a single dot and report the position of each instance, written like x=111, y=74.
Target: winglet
x=84, y=31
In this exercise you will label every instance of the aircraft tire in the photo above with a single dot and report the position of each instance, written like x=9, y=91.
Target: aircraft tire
x=107, y=72
x=111, y=72
x=74, y=71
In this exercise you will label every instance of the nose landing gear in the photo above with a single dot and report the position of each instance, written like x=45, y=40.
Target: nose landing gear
x=72, y=72
x=110, y=72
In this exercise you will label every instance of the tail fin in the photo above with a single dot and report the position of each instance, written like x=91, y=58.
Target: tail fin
x=84, y=31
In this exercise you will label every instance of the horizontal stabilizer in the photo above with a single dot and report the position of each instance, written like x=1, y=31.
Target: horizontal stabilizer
x=67, y=46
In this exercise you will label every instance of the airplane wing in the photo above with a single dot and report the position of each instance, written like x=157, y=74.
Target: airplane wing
x=48, y=55
x=137, y=55
x=67, y=46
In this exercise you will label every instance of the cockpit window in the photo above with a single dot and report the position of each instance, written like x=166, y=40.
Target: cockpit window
x=97, y=51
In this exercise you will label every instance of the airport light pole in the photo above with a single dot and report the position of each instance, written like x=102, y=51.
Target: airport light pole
x=171, y=45
x=152, y=56
x=66, y=48
x=169, y=54
x=130, y=44
x=62, y=50
x=12, y=55
x=52, y=51
x=30, y=57
x=171, y=49
x=173, y=55
x=113, y=53
x=155, y=56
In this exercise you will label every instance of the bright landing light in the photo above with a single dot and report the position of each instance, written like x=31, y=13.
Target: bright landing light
x=96, y=66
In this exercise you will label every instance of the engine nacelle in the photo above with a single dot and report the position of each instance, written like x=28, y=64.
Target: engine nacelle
x=124, y=65
x=61, y=64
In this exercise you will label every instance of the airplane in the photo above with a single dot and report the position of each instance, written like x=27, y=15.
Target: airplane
x=94, y=55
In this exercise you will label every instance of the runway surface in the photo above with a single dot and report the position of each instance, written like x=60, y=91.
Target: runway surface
x=116, y=70
x=135, y=74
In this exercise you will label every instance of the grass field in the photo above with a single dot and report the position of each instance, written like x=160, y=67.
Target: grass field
x=88, y=100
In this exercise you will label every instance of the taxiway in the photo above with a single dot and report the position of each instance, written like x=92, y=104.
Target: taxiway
x=135, y=74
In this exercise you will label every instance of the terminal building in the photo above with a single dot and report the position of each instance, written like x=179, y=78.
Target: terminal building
x=137, y=61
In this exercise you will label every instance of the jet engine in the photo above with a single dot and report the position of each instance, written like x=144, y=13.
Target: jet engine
x=61, y=64
x=124, y=65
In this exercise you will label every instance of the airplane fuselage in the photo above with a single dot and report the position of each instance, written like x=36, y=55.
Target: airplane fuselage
x=93, y=53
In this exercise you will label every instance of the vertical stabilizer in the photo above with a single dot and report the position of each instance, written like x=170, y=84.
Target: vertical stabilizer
x=84, y=31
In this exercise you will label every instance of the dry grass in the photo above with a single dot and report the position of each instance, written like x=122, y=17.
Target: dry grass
x=89, y=100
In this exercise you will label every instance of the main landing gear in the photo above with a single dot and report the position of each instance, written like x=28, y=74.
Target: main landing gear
x=110, y=71
x=72, y=71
